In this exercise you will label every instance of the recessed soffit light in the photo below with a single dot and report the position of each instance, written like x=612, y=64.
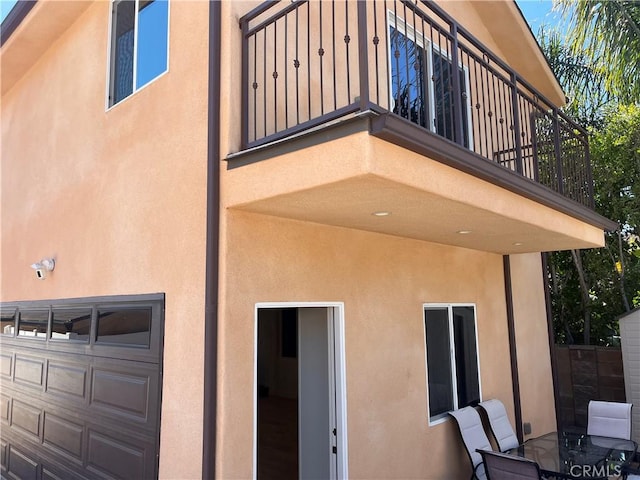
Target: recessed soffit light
x=464, y=232
x=381, y=213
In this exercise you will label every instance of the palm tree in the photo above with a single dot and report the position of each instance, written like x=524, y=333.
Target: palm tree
x=580, y=78
x=607, y=32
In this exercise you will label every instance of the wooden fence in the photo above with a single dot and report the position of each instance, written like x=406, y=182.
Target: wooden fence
x=586, y=373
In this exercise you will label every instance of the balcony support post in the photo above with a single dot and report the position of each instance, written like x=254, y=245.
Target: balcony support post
x=457, y=87
x=516, y=122
x=363, y=55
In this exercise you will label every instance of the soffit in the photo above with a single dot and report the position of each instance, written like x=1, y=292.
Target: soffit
x=345, y=179
x=39, y=30
x=414, y=214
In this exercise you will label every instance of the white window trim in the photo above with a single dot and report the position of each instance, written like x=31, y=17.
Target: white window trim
x=110, y=60
x=423, y=42
x=443, y=417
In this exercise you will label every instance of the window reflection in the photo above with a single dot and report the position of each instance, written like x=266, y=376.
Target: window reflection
x=152, y=40
x=452, y=358
x=439, y=361
x=7, y=322
x=422, y=84
x=139, y=48
x=131, y=326
x=71, y=324
x=33, y=323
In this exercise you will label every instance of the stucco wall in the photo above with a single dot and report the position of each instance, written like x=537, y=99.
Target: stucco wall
x=532, y=341
x=116, y=197
x=384, y=282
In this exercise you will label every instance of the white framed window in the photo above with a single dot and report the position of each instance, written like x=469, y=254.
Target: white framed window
x=421, y=82
x=453, y=367
x=139, y=45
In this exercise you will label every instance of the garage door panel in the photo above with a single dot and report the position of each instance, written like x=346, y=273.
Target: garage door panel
x=67, y=380
x=103, y=449
x=6, y=361
x=64, y=435
x=29, y=371
x=21, y=465
x=26, y=417
x=83, y=410
x=5, y=404
x=49, y=475
x=3, y=454
x=48, y=459
x=128, y=394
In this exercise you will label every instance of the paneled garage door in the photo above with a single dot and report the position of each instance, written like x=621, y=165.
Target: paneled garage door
x=81, y=384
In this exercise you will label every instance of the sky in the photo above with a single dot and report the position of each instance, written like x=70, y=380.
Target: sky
x=5, y=6
x=538, y=12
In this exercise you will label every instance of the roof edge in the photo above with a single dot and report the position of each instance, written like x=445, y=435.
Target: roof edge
x=535, y=39
x=15, y=18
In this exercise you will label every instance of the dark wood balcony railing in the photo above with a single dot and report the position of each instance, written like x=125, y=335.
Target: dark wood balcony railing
x=307, y=63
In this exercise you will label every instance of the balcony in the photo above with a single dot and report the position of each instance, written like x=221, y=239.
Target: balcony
x=307, y=64
x=350, y=109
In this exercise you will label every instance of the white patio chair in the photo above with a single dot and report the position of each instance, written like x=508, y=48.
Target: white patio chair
x=500, y=466
x=500, y=425
x=609, y=419
x=474, y=439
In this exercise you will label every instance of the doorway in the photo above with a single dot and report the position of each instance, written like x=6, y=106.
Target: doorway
x=300, y=423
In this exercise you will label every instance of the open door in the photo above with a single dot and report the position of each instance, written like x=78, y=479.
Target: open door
x=297, y=433
x=316, y=395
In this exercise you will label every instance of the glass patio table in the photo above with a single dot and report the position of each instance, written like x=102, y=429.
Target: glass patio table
x=575, y=455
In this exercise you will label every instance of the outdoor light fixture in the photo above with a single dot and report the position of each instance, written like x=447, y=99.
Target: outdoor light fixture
x=464, y=232
x=43, y=267
x=381, y=213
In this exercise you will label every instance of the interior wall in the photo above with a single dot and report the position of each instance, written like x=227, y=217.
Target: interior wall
x=384, y=282
x=275, y=371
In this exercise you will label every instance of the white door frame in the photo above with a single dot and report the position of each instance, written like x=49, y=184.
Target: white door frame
x=336, y=310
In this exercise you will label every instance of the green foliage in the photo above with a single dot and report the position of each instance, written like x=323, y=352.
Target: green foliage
x=612, y=273
x=607, y=34
x=579, y=77
x=598, y=66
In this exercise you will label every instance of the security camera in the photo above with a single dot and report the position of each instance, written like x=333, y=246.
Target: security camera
x=41, y=274
x=43, y=267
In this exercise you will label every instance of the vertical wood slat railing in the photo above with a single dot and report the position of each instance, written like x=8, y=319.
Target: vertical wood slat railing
x=407, y=58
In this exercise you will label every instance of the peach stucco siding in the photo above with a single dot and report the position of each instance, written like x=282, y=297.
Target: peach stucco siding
x=532, y=341
x=384, y=282
x=117, y=198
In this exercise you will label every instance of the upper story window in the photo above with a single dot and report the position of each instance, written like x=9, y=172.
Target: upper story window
x=139, y=45
x=422, y=82
x=452, y=358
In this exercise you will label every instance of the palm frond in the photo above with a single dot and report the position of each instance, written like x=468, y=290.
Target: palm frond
x=607, y=32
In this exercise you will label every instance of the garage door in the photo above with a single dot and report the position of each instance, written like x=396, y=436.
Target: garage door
x=81, y=387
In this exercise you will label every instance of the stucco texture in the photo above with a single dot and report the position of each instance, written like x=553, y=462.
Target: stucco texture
x=384, y=282
x=532, y=341
x=117, y=197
